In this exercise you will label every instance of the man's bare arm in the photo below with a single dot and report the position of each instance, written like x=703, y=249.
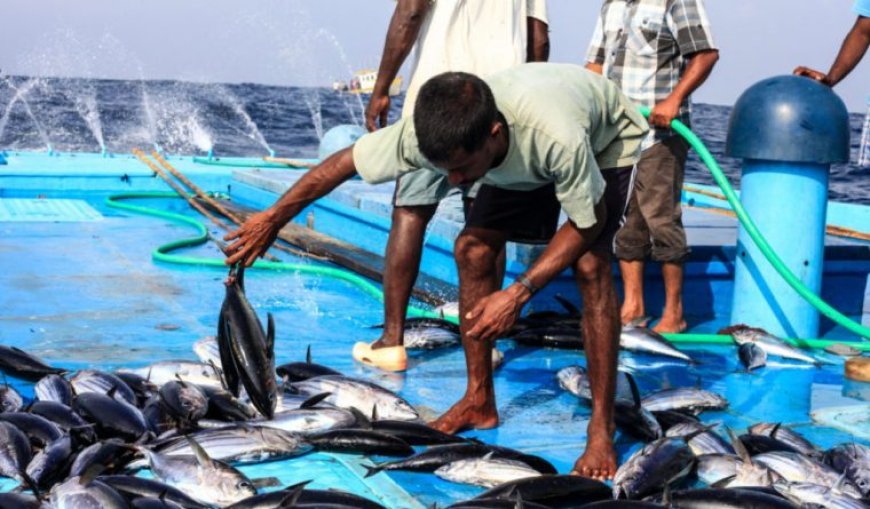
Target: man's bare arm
x=401, y=37
x=538, y=34
x=697, y=70
x=851, y=52
x=257, y=234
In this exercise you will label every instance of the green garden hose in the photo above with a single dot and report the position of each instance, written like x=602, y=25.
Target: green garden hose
x=754, y=233
x=164, y=253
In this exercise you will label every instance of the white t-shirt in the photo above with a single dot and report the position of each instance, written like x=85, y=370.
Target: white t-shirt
x=476, y=36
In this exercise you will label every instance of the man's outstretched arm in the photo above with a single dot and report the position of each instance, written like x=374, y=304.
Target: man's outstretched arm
x=851, y=52
x=401, y=37
x=257, y=234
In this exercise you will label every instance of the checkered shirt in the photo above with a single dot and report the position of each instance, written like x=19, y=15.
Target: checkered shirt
x=643, y=46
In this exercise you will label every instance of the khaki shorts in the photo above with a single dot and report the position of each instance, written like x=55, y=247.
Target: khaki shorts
x=653, y=224
x=425, y=187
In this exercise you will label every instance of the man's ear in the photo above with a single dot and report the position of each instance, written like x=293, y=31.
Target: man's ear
x=496, y=128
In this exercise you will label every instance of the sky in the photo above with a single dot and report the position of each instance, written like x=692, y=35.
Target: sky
x=313, y=42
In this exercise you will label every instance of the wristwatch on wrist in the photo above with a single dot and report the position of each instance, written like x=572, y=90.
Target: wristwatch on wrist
x=523, y=280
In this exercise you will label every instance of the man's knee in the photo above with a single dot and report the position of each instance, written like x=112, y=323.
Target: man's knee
x=593, y=266
x=477, y=250
x=419, y=214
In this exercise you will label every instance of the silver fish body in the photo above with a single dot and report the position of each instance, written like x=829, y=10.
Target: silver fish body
x=430, y=338
x=247, y=351
x=656, y=464
x=644, y=340
x=209, y=481
x=241, y=443
x=346, y=392
x=486, y=472
x=703, y=441
x=10, y=400
x=575, y=380
x=54, y=388
x=684, y=398
x=772, y=345
x=100, y=382
x=15, y=452
x=208, y=351
x=163, y=372
x=787, y=435
x=712, y=468
x=309, y=420
x=812, y=495
x=75, y=493
x=853, y=460
x=185, y=401
x=795, y=467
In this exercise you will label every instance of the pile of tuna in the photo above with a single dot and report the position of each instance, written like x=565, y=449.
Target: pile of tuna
x=81, y=441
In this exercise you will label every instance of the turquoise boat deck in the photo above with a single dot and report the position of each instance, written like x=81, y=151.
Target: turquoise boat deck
x=80, y=289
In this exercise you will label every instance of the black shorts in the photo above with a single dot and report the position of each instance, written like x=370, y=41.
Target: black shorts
x=531, y=217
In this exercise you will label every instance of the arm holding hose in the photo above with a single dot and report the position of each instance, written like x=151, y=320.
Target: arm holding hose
x=258, y=233
x=697, y=70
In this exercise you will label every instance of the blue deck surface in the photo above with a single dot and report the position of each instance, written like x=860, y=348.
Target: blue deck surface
x=87, y=294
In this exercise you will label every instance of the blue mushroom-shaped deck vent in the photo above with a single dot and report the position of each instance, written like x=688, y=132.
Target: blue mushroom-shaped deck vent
x=789, y=118
x=788, y=130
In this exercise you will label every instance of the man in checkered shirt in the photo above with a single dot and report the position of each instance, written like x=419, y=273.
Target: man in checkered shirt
x=658, y=52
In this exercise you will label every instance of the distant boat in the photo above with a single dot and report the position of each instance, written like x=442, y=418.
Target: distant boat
x=339, y=86
x=363, y=82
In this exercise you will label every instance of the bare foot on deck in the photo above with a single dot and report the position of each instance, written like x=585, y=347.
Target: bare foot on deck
x=466, y=415
x=599, y=458
x=671, y=325
x=631, y=312
x=386, y=342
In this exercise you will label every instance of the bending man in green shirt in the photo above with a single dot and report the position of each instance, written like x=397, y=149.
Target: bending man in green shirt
x=528, y=133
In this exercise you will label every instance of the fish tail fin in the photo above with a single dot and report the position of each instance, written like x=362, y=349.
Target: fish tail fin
x=372, y=470
x=635, y=392
x=30, y=484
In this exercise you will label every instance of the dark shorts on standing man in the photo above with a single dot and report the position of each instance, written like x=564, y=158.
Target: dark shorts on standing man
x=654, y=219
x=532, y=217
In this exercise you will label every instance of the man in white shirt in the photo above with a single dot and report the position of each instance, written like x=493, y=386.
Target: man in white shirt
x=480, y=37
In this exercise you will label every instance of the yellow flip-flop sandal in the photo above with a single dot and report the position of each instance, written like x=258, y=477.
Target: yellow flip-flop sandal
x=392, y=358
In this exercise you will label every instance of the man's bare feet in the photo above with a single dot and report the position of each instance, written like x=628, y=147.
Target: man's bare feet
x=671, y=325
x=387, y=341
x=631, y=310
x=599, y=459
x=466, y=415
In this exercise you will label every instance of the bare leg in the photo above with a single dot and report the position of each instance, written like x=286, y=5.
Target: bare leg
x=477, y=251
x=672, y=316
x=632, y=283
x=601, y=342
x=404, y=250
